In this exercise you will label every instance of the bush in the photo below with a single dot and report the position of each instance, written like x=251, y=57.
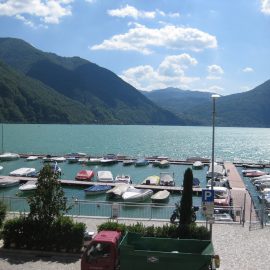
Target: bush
x=166, y=231
x=62, y=234
x=3, y=212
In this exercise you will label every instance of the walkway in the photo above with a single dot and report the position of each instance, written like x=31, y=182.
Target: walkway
x=238, y=189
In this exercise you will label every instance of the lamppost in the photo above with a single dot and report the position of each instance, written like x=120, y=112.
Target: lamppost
x=214, y=97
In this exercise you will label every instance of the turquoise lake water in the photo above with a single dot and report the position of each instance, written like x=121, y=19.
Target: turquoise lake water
x=231, y=144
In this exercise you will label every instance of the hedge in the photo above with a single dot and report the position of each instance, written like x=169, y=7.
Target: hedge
x=63, y=235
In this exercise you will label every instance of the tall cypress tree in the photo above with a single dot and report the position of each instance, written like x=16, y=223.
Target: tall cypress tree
x=186, y=204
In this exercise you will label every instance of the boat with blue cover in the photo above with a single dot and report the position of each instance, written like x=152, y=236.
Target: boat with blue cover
x=97, y=189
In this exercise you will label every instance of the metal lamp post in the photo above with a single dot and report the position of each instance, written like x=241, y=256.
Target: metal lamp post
x=214, y=97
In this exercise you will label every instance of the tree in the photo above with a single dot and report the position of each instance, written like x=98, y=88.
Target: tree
x=48, y=202
x=3, y=212
x=186, y=210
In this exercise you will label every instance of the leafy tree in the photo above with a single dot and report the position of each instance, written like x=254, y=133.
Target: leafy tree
x=48, y=202
x=3, y=212
x=186, y=204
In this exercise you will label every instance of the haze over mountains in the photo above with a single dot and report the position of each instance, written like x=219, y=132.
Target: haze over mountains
x=39, y=87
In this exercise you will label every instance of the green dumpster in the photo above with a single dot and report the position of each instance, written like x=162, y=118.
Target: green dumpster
x=137, y=252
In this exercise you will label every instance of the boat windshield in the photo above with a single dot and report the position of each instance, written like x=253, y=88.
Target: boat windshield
x=220, y=194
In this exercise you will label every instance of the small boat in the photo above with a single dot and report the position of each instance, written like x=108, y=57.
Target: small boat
x=97, y=189
x=117, y=191
x=104, y=176
x=141, y=162
x=32, y=158
x=84, y=175
x=93, y=161
x=48, y=158
x=9, y=156
x=8, y=183
x=155, y=163
x=256, y=166
x=167, y=179
x=23, y=172
x=161, y=196
x=108, y=161
x=151, y=180
x=123, y=178
x=83, y=160
x=76, y=154
x=72, y=159
x=196, y=182
x=136, y=195
x=28, y=186
x=59, y=159
x=164, y=163
x=247, y=171
x=128, y=162
x=1, y=168
x=197, y=165
x=218, y=182
x=255, y=173
x=219, y=171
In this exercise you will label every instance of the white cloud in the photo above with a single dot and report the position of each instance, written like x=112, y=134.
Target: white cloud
x=215, y=69
x=141, y=38
x=170, y=73
x=265, y=7
x=215, y=72
x=90, y=1
x=130, y=11
x=49, y=12
x=248, y=69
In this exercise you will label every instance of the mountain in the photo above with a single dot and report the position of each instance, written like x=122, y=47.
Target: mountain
x=177, y=100
x=247, y=109
x=103, y=96
x=24, y=100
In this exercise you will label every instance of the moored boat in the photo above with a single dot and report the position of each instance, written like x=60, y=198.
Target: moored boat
x=128, y=162
x=161, y=196
x=105, y=176
x=23, y=172
x=167, y=179
x=197, y=165
x=72, y=159
x=32, y=158
x=97, y=189
x=28, y=187
x=9, y=156
x=141, y=162
x=255, y=173
x=8, y=183
x=93, y=161
x=85, y=175
x=59, y=159
x=136, y=195
x=164, y=163
x=151, y=180
x=123, y=178
x=117, y=191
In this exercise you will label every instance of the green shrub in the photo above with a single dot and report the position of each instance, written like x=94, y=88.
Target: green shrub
x=62, y=234
x=3, y=212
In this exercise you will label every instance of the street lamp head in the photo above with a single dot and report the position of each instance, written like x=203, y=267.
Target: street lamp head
x=215, y=96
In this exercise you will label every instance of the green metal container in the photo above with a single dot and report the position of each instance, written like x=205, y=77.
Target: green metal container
x=137, y=252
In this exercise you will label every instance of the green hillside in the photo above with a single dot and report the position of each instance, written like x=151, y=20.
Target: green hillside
x=24, y=100
x=107, y=97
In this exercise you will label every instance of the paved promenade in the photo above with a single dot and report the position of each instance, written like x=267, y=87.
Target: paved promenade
x=239, y=249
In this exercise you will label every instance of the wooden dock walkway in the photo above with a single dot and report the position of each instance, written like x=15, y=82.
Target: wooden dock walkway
x=238, y=190
x=65, y=182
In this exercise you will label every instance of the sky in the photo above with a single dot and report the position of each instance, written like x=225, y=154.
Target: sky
x=221, y=46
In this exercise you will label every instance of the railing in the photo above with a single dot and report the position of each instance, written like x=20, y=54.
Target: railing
x=137, y=211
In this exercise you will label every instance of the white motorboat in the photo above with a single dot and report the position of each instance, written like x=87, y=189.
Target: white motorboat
x=59, y=159
x=161, y=196
x=197, y=165
x=28, y=186
x=164, y=163
x=137, y=195
x=123, y=178
x=9, y=156
x=117, y=191
x=104, y=176
x=219, y=171
x=167, y=179
x=151, y=180
x=93, y=161
x=8, y=183
x=31, y=158
x=1, y=168
x=23, y=172
x=218, y=182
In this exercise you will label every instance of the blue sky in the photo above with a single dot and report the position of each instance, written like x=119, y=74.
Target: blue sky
x=220, y=46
